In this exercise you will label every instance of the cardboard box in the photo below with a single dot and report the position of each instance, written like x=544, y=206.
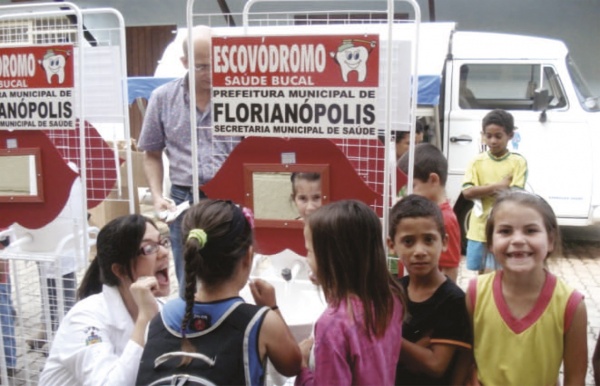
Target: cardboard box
x=117, y=202
x=138, y=177
x=107, y=210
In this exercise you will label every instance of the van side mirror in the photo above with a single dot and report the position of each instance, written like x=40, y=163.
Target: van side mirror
x=541, y=102
x=540, y=99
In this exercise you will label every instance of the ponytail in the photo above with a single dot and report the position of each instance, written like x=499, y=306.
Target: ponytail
x=91, y=283
x=193, y=263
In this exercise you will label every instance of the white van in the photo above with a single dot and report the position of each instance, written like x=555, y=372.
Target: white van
x=536, y=80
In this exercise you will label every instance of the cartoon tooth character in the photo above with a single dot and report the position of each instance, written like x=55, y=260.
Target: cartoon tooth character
x=54, y=64
x=353, y=57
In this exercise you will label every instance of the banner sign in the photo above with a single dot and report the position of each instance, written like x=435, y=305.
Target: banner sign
x=37, y=87
x=295, y=86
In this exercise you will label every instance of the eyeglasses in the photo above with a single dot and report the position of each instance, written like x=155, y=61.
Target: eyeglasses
x=202, y=67
x=152, y=247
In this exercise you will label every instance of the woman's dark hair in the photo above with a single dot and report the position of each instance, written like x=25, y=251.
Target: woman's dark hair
x=347, y=242
x=119, y=243
x=213, y=260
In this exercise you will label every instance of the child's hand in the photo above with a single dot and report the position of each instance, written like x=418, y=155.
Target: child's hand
x=305, y=347
x=263, y=293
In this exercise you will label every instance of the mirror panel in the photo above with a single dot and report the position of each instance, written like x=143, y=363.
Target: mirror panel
x=268, y=192
x=272, y=193
x=21, y=175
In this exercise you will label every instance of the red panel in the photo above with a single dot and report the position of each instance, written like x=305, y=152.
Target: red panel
x=344, y=182
x=100, y=159
x=367, y=156
x=57, y=181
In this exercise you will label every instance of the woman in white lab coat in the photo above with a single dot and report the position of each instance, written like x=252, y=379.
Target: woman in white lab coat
x=101, y=339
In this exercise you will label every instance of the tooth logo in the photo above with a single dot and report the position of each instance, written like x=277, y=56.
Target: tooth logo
x=54, y=65
x=353, y=57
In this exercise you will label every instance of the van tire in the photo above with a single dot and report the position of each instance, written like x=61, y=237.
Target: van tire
x=463, y=209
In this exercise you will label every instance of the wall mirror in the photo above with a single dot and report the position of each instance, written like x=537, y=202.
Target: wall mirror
x=268, y=191
x=21, y=175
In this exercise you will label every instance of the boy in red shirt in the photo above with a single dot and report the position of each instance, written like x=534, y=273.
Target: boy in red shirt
x=429, y=181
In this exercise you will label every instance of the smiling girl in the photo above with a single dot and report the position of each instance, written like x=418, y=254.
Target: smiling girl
x=526, y=321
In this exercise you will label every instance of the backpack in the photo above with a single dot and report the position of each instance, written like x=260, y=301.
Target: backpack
x=221, y=355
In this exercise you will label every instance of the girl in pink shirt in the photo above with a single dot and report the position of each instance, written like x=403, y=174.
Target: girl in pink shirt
x=357, y=338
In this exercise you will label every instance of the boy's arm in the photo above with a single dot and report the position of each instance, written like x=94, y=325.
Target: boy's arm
x=432, y=360
x=472, y=192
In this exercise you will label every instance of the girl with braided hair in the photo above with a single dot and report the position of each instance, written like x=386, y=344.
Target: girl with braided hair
x=211, y=335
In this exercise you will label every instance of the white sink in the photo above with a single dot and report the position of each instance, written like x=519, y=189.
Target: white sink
x=272, y=266
x=300, y=302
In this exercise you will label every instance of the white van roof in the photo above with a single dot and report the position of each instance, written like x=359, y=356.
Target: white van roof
x=483, y=45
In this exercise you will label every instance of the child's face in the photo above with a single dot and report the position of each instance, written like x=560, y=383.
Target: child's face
x=310, y=253
x=403, y=145
x=520, y=241
x=308, y=196
x=496, y=139
x=418, y=243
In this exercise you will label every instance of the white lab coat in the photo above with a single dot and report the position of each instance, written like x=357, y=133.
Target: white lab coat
x=92, y=345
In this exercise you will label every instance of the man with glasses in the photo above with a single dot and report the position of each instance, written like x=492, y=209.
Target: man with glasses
x=166, y=128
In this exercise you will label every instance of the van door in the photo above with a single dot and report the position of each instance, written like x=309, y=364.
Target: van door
x=554, y=142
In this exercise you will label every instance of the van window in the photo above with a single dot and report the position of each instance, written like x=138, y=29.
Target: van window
x=587, y=100
x=508, y=86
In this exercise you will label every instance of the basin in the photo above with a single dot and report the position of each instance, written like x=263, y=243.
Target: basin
x=299, y=300
x=272, y=266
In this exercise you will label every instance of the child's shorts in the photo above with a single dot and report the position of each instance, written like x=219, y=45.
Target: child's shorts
x=478, y=256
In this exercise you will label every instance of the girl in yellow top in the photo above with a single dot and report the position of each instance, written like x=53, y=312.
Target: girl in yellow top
x=526, y=321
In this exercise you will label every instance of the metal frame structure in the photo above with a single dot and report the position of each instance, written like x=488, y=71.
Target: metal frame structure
x=101, y=101
x=285, y=17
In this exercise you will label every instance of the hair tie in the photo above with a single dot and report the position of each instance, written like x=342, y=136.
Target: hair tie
x=199, y=235
x=249, y=216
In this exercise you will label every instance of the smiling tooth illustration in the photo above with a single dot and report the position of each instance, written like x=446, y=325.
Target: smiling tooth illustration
x=353, y=57
x=54, y=64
